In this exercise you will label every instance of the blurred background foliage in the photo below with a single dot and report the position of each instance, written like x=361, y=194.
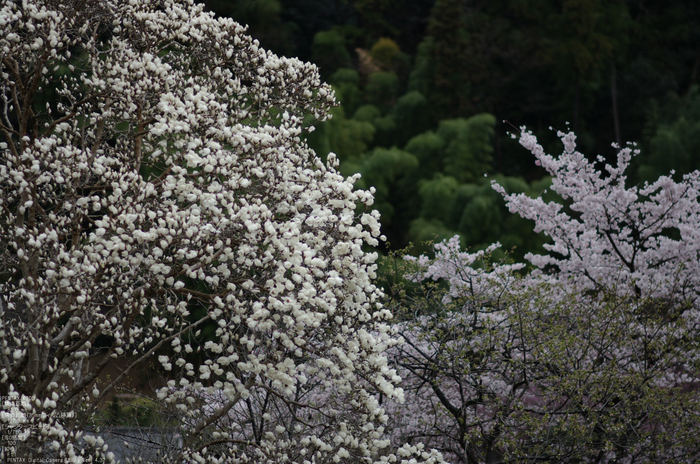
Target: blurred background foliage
x=430, y=91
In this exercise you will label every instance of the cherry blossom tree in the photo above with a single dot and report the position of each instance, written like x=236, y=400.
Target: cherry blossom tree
x=154, y=182
x=641, y=241
x=591, y=357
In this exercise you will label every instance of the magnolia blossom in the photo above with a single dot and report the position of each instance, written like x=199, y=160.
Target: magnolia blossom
x=155, y=183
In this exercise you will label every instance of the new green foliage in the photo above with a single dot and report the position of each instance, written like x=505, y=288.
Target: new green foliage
x=437, y=194
x=476, y=212
x=468, y=146
x=428, y=148
x=460, y=147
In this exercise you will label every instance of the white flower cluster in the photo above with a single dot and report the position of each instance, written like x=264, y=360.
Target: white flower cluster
x=154, y=182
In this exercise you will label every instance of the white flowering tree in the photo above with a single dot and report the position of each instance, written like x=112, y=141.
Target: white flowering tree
x=591, y=357
x=153, y=182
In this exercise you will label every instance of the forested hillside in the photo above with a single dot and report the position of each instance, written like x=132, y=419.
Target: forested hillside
x=431, y=90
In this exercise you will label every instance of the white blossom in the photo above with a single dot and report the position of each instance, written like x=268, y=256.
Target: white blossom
x=165, y=190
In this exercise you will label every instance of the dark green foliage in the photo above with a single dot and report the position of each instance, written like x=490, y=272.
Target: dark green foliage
x=386, y=130
x=419, y=79
x=382, y=89
x=468, y=146
x=448, y=70
x=423, y=230
x=410, y=115
x=329, y=53
x=346, y=82
x=428, y=147
x=477, y=213
x=374, y=14
x=132, y=411
x=404, y=21
x=460, y=147
x=347, y=138
x=675, y=144
x=381, y=168
x=367, y=113
x=437, y=194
